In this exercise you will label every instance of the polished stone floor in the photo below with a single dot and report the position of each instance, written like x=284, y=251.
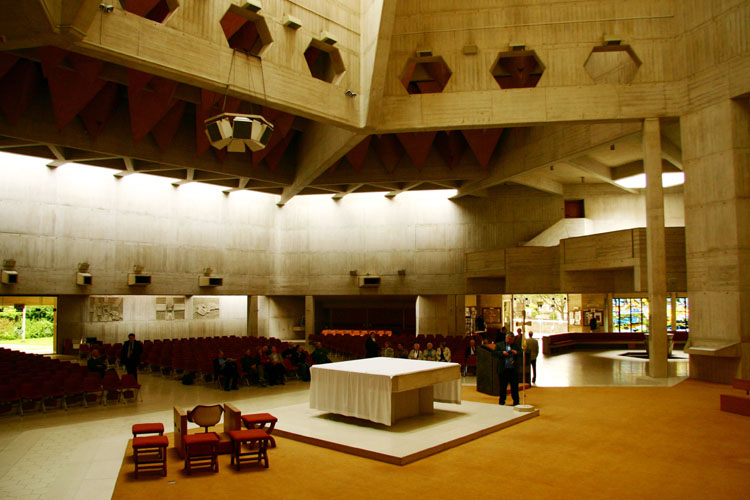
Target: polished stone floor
x=77, y=454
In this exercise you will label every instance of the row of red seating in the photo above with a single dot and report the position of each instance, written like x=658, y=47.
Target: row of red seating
x=36, y=382
x=379, y=333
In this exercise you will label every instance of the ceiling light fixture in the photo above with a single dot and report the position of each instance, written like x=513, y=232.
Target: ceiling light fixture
x=235, y=131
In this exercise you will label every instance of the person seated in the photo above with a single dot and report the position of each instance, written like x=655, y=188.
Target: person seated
x=388, y=351
x=226, y=369
x=253, y=368
x=97, y=363
x=401, y=352
x=298, y=358
x=471, y=349
x=415, y=353
x=429, y=354
x=276, y=371
x=320, y=354
x=443, y=353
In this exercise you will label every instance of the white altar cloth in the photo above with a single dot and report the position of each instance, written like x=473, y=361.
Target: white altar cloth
x=383, y=390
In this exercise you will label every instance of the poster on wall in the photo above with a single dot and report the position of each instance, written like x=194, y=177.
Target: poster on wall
x=205, y=307
x=170, y=308
x=105, y=309
x=492, y=315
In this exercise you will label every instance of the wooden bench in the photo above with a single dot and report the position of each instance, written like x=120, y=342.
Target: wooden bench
x=738, y=404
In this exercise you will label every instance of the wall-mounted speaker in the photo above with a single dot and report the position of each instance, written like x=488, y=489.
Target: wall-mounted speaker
x=219, y=133
x=210, y=281
x=139, y=279
x=291, y=22
x=252, y=5
x=369, y=281
x=10, y=277
x=84, y=279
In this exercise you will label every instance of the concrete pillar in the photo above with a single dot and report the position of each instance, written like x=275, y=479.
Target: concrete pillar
x=673, y=312
x=608, y=312
x=309, y=317
x=71, y=310
x=656, y=249
x=716, y=159
x=432, y=315
x=252, y=316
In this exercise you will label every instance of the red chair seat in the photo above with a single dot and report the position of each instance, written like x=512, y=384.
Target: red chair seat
x=150, y=454
x=151, y=428
x=261, y=421
x=201, y=451
x=249, y=437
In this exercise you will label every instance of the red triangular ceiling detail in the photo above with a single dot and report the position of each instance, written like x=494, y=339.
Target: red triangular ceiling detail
x=417, y=146
x=148, y=107
x=6, y=62
x=140, y=7
x=332, y=169
x=18, y=88
x=99, y=110
x=274, y=157
x=451, y=146
x=137, y=80
x=389, y=151
x=164, y=131
x=208, y=99
x=356, y=155
x=482, y=143
x=221, y=154
x=70, y=89
x=230, y=23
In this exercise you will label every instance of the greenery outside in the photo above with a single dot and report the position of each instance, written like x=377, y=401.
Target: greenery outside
x=39, y=324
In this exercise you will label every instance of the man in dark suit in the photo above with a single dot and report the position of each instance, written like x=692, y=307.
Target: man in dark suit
x=130, y=355
x=371, y=346
x=508, y=352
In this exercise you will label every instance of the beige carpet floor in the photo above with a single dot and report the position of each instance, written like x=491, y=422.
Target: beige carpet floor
x=596, y=442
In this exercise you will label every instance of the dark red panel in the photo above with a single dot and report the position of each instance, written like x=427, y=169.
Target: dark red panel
x=140, y=7
x=356, y=156
x=6, y=62
x=311, y=55
x=417, y=146
x=482, y=143
x=148, y=103
x=245, y=38
x=231, y=23
x=165, y=130
x=100, y=109
x=451, y=146
x=389, y=151
x=17, y=88
x=523, y=72
x=274, y=157
x=72, y=89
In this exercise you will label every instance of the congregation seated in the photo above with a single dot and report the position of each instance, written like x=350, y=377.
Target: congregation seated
x=320, y=354
x=415, y=353
x=400, y=352
x=97, y=363
x=471, y=349
x=226, y=369
x=253, y=368
x=388, y=351
x=429, y=354
x=443, y=353
x=298, y=358
x=275, y=368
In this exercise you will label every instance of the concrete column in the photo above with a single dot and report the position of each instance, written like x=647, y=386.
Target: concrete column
x=309, y=317
x=716, y=158
x=432, y=315
x=252, y=316
x=656, y=248
x=673, y=312
x=71, y=310
x=608, y=312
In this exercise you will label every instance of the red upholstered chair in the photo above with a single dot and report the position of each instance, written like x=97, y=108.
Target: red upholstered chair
x=290, y=368
x=261, y=421
x=92, y=389
x=130, y=384
x=112, y=387
x=54, y=393
x=471, y=362
x=201, y=449
x=249, y=438
x=9, y=397
x=31, y=392
x=150, y=454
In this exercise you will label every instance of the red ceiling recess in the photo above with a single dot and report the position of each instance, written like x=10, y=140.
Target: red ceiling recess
x=240, y=32
x=274, y=157
x=311, y=55
x=389, y=151
x=451, y=146
x=282, y=123
x=155, y=10
x=482, y=143
x=17, y=88
x=71, y=88
x=522, y=72
x=417, y=146
x=100, y=109
x=6, y=62
x=149, y=99
x=165, y=130
x=356, y=156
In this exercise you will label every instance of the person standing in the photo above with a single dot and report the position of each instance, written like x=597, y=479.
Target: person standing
x=508, y=368
x=371, y=346
x=532, y=351
x=130, y=355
